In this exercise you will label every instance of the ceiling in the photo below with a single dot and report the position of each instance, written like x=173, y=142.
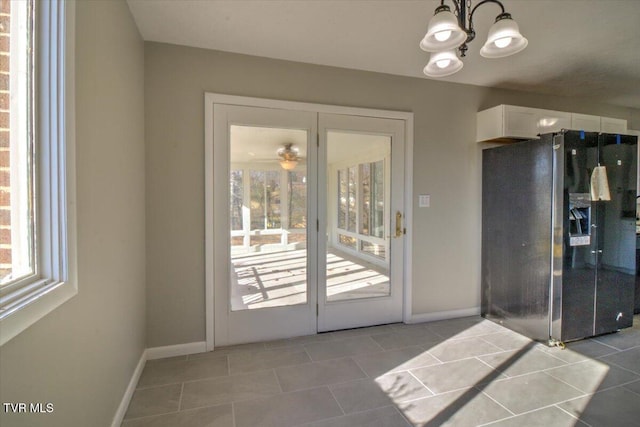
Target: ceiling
x=587, y=48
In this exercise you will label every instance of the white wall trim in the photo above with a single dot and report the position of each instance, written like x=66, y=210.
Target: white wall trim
x=216, y=98
x=444, y=315
x=128, y=393
x=176, y=350
x=152, y=354
x=408, y=219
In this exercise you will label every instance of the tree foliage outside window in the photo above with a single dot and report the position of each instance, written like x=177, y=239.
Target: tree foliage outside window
x=377, y=200
x=342, y=199
x=263, y=205
x=365, y=186
x=297, y=188
x=352, y=197
x=265, y=200
x=237, y=193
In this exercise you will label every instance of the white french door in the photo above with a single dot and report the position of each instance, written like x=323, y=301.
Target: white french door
x=264, y=284
x=305, y=221
x=361, y=176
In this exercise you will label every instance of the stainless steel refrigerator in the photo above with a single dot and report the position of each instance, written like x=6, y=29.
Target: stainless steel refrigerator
x=558, y=235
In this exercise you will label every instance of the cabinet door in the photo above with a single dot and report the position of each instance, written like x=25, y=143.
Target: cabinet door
x=610, y=125
x=520, y=122
x=585, y=122
x=552, y=121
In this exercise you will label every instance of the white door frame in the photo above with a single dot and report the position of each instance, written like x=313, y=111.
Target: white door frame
x=210, y=99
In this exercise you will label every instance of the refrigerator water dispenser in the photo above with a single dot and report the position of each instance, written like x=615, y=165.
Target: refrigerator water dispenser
x=579, y=219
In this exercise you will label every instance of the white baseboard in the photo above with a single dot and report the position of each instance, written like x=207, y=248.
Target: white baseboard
x=444, y=315
x=176, y=350
x=128, y=393
x=151, y=354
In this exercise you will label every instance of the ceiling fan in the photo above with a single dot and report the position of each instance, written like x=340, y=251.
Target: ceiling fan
x=289, y=155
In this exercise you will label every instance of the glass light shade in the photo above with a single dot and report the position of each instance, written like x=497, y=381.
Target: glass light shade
x=288, y=164
x=443, y=32
x=504, y=39
x=442, y=64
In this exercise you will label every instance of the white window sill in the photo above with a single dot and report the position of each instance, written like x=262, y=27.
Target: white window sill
x=31, y=311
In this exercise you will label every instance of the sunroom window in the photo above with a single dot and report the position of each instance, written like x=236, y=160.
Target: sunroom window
x=361, y=207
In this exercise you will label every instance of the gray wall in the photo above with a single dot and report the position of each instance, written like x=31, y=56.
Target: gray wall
x=81, y=356
x=446, y=236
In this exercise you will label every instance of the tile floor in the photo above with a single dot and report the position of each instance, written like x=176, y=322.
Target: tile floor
x=461, y=372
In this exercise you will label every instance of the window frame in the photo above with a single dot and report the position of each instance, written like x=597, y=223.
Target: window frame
x=55, y=281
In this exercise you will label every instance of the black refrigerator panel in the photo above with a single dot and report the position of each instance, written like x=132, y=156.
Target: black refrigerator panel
x=579, y=151
x=616, y=241
x=516, y=236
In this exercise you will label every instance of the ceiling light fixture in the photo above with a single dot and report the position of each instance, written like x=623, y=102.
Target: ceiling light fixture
x=448, y=31
x=290, y=157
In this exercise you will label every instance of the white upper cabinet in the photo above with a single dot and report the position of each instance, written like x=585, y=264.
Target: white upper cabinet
x=585, y=122
x=610, y=125
x=517, y=121
x=505, y=123
x=590, y=123
x=552, y=121
x=508, y=123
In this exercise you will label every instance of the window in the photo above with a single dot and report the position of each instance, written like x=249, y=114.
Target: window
x=235, y=206
x=297, y=197
x=16, y=152
x=37, y=221
x=361, y=207
x=265, y=200
x=269, y=212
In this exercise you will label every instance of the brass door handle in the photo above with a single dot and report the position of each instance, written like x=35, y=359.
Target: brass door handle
x=398, y=232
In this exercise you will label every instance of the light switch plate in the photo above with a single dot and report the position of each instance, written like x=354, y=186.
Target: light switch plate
x=424, y=200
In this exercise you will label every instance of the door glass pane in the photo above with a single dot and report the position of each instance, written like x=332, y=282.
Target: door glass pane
x=268, y=215
x=357, y=216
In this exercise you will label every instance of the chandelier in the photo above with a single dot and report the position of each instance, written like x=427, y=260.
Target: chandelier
x=448, y=31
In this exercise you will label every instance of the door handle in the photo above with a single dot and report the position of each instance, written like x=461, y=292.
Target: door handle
x=398, y=232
